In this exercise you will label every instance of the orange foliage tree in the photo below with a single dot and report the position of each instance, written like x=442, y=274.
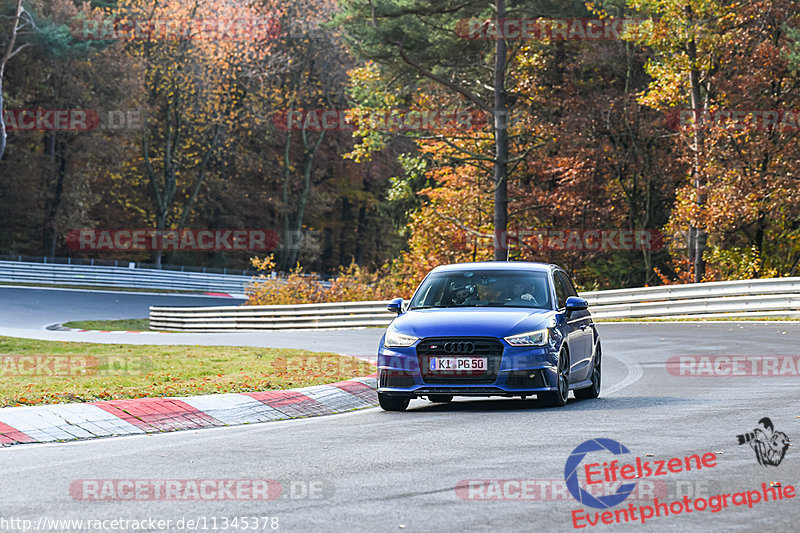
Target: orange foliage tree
x=195, y=55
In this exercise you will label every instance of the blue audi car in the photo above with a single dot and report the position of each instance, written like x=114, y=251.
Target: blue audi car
x=490, y=329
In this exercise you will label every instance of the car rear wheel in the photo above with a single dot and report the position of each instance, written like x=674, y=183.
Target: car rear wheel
x=392, y=403
x=558, y=397
x=440, y=398
x=592, y=391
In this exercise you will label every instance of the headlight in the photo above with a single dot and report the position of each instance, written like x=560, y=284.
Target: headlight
x=398, y=340
x=534, y=338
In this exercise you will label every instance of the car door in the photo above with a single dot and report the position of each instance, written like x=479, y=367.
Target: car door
x=569, y=328
x=579, y=327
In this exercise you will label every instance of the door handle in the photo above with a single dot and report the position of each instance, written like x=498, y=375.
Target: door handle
x=583, y=327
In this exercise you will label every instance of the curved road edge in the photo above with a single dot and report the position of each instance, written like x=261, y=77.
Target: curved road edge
x=77, y=421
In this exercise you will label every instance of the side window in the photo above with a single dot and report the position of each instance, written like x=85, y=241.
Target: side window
x=568, y=284
x=561, y=291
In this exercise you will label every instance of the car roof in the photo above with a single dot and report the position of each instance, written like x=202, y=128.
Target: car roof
x=495, y=265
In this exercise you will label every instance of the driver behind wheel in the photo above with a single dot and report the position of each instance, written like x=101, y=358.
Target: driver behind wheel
x=460, y=292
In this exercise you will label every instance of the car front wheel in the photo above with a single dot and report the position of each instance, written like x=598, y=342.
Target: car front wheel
x=558, y=397
x=392, y=403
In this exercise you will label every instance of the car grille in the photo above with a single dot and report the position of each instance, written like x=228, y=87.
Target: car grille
x=521, y=379
x=395, y=379
x=488, y=347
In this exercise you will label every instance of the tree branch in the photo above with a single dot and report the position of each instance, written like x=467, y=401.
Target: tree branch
x=461, y=225
x=425, y=72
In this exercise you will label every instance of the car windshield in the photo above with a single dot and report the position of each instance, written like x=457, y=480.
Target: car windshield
x=484, y=288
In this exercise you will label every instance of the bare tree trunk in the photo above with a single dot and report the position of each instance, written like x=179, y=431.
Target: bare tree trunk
x=160, y=191
x=309, y=150
x=284, y=263
x=201, y=177
x=3, y=136
x=198, y=184
x=501, y=142
x=8, y=54
x=55, y=189
x=697, y=235
x=163, y=190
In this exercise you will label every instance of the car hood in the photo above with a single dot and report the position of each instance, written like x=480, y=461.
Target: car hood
x=472, y=322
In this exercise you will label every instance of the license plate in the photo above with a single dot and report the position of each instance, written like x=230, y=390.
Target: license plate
x=456, y=364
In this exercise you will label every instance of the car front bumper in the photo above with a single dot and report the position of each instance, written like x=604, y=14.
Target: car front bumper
x=517, y=371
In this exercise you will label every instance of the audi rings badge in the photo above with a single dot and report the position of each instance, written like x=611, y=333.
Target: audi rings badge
x=464, y=347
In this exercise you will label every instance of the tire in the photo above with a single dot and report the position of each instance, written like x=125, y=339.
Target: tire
x=440, y=398
x=558, y=398
x=593, y=390
x=392, y=403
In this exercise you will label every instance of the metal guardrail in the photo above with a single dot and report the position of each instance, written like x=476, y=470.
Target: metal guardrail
x=776, y=297
x=108, y=276
x=265, y=317
x=747, y=287
x=91, y=261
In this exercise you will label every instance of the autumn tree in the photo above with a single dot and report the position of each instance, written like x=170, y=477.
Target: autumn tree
x=312, y=79
x=10, y=48
x=192, y=78
x=685, y=37
x=419, y=42
x=752, y=198
x=585, y=155
x=55, y=163
x=711, y=59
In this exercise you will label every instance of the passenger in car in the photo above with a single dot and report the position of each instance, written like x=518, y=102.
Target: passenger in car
x=521, y=292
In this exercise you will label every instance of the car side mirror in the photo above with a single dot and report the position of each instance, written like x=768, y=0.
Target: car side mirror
x=395, y=306
x=576, y=304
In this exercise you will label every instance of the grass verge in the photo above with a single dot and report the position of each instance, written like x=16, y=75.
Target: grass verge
x=129, y=324
x=34, y=372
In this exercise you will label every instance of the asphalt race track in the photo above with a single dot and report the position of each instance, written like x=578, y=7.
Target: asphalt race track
x=28, y=307
x=377, y=471
x=26, y=312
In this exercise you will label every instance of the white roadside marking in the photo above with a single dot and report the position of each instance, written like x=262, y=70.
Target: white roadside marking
x=65, y=422
x=233, y=409
x=634, y=374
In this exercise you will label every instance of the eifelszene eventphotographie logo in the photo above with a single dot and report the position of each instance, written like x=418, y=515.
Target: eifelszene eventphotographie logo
x=571, y=474
x=637, y=468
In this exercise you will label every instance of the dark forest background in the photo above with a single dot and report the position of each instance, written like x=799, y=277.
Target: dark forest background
x=596, y=138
